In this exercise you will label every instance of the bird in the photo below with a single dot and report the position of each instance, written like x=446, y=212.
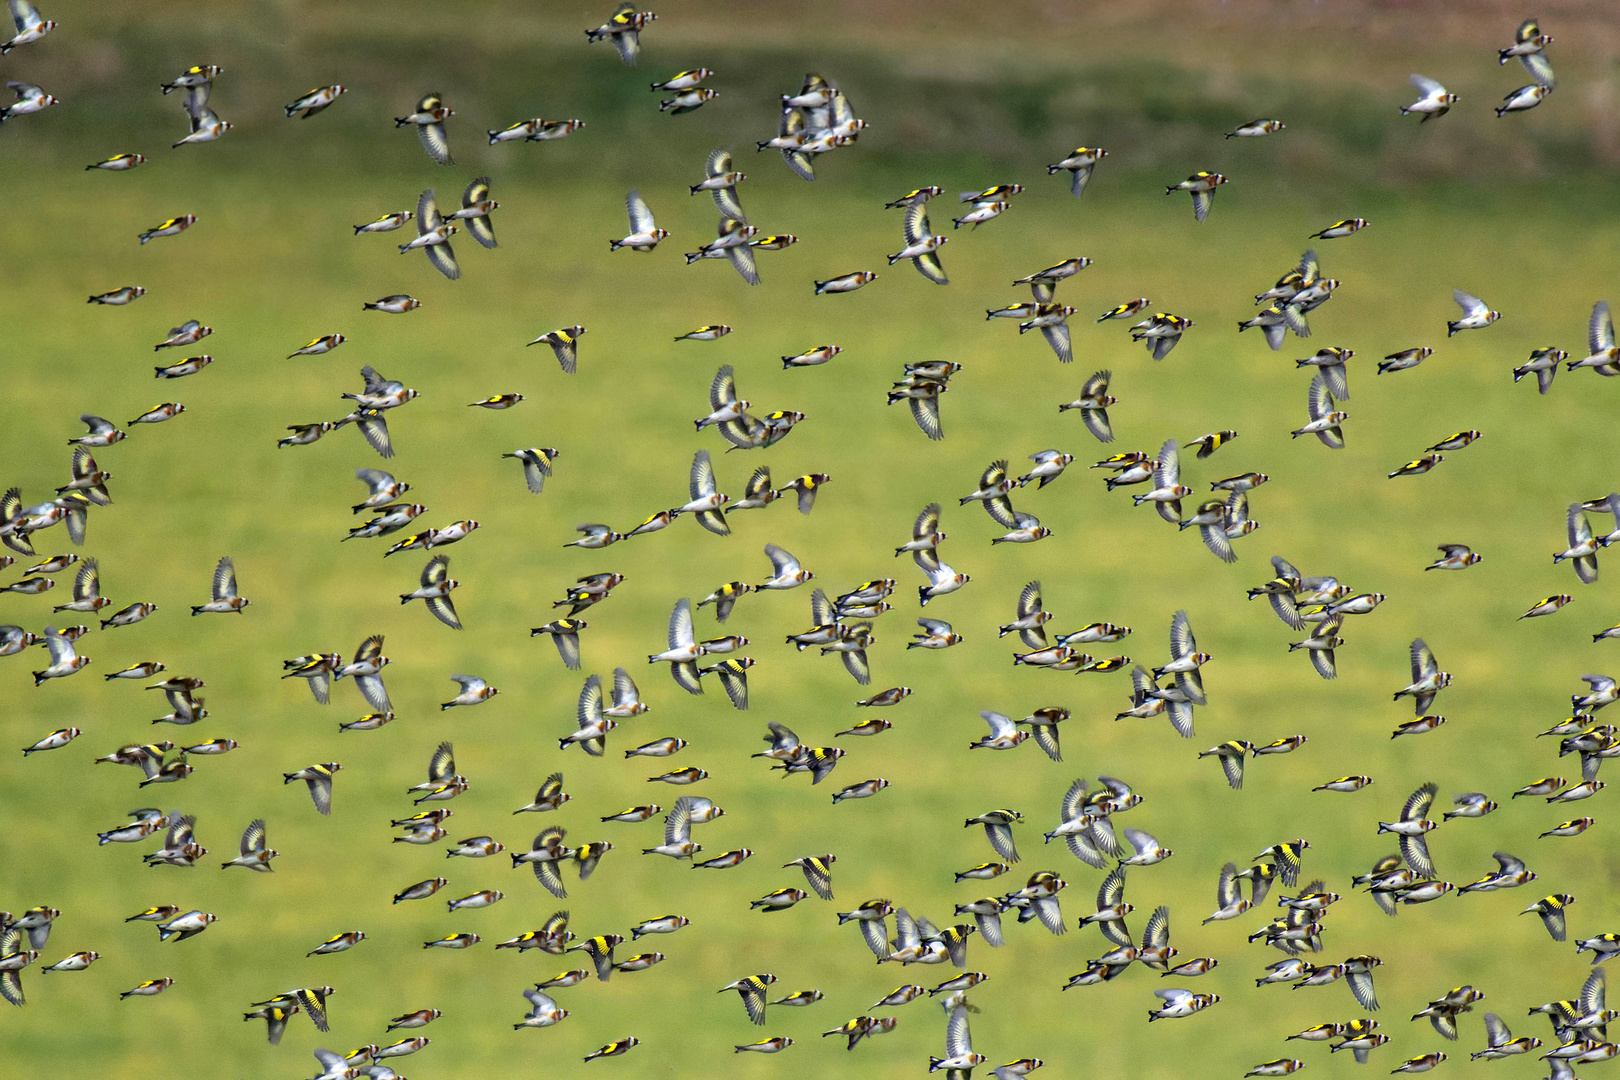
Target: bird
x=1079, y=164
x=433, y=235
x=206, y=126
x=1093, y=405
x=1604, y=356
x=1427, y=678
x=428, y=119
x=1551, y=910
x=255, y=855
x=921, y=246
x=752, y=991
x=476, y=207
x=1341, y=228
x=317, y=100
x=959, y=1059
x=1326, y=422
x=225, y=597
x=30, y=99
x=1410, y=829
x=624, y=31
x=1455, y=557
x=1231, y=756
x=319, y=780
x=435, y=591
x=644, y=232
x=1500, y=1042
x=1435, y=102
x=1476, y=314
x=543, y=1011
x=1202, y=185
x=564, y=345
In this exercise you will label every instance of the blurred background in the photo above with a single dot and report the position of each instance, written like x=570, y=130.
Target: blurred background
x=1519, y=211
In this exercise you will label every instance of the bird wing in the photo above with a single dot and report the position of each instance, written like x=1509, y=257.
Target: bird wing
x=702, y=481
x=678, y=823
x=718, y=164
x=1319, y=399
x=442, y=765
x=1057, y=337
x=589, y=712
x=1471, y=305
x=1540, y=69
x=927, y=522
x=314, y=1005
x=1001, y=839
x=929, y=266
x=781, y=561
x=916, y=224
x=1201, y=203
x=680, y=625
x=734, y=680
x=1508, y=863
x=443, y=258
x=925, y=411
x=87, y=585
x=1000, y=510
x=1592, y=994
x=545, y=872
x=434, y=142
x=1000, y=726
x=1416, y=853
x=1073, y=799
x=1600, y=330
x=1427, y=87
x=436, y=572
x=371, y=688
x=641, y=218
x=25, y=15
x=1423, y=662
x=253, y=838
x=443, y=610
x=1496, y=1032
x=1112, y=892
x=723, y=391
x=428, y=217
x=624, y=688
x=1167, y=467
x=1227, y=891
x=225, y=580
x=374, y=428
x=1580, y=532
x=842, y=112
x=1157, y=933
x=1418, y=803
x=1096, y=421
x=816, y=873
x=1029, y=601
x=61, y=648
x=1182, y=642
x=196, y=104
x=958, y=1040
x=1361, y=986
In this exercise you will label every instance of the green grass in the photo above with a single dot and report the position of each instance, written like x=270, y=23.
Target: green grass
x=271, y=264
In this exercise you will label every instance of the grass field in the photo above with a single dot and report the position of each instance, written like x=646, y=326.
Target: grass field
x=1520, y=215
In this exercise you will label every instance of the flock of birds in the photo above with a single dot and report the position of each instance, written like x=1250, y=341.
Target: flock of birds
x=816, y=120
